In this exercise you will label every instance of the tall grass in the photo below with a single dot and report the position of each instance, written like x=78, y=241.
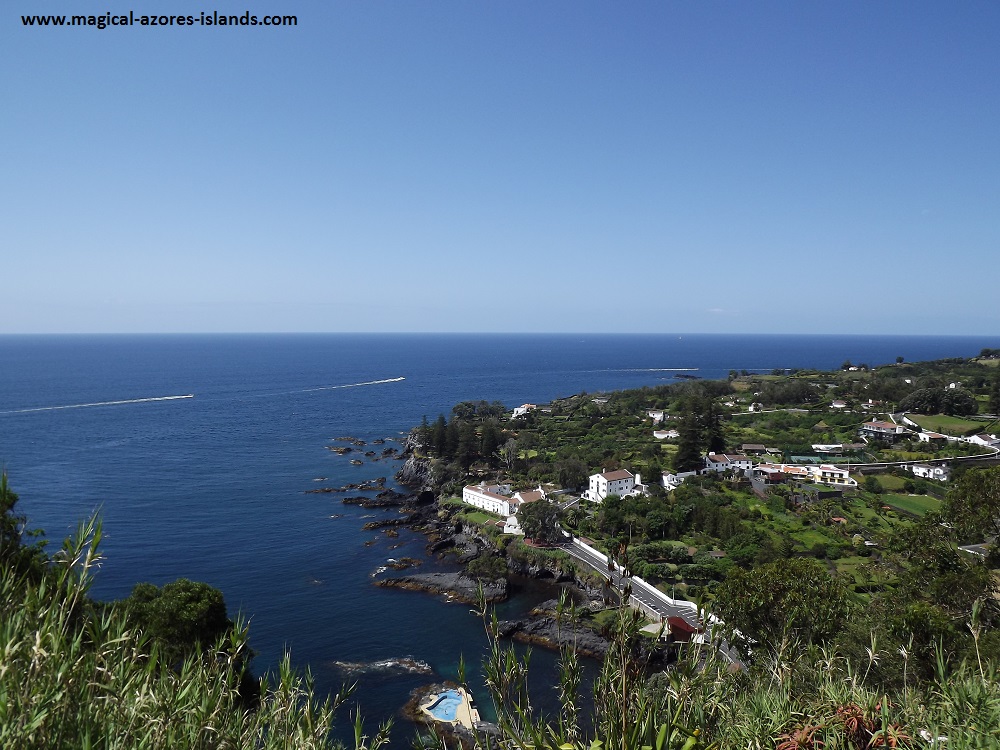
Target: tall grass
x=75, y=675
x=797, y=698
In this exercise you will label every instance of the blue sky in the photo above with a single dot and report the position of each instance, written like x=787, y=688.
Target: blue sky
x=772, y=167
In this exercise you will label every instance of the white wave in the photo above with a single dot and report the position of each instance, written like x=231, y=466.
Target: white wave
x=99, y=403
x=350, y=385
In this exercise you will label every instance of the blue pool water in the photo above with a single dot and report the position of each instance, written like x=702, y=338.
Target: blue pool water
x=445, y=708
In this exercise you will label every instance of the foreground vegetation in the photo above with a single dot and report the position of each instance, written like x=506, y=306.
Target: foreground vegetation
x=76, y=673
x=793, y=698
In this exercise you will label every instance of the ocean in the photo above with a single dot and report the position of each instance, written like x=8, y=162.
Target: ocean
x=198, y=451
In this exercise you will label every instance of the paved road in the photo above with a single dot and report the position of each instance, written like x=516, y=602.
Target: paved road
x=642, y=596
x=644, y=599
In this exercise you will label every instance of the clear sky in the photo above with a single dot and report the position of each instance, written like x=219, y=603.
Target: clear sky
x=488, y=165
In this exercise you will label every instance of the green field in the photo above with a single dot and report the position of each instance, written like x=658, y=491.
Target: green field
x=915, y=504
x=945, y=424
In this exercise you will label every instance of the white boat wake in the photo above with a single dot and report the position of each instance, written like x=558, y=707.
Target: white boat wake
x=662, y=369
x=99, y=403
x=349, y=385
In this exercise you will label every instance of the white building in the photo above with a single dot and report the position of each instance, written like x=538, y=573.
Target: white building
x=657, y=415
x=672, y=481
x=725, y=462
x=512, y=526
x=821, y=474
x=932, y=437
x=621, y=483
x=938, y=473
x=882, y=430
x=493, y=498
x=523, y=409
x=830, y=474
x=666, y=434
x=497, y=499
x=989, y=441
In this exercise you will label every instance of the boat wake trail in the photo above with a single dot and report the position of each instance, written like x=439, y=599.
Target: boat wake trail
x=349, y=385
x=99, y=403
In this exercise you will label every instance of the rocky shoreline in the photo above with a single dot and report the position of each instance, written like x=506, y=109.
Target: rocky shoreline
x=456, y=586
x=446, y=536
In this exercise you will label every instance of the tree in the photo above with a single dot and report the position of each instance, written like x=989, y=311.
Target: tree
x=14, y=553
x=572, y=473
x=715, y=439
x=794, y=598
x=181, y=616
x=464, y=411
x=973, y=504
x=872, y=485
x=491, y=437
x=439, y=435
x=508, y=454
x=688, y=456
x=540, y=521
x=994, y=400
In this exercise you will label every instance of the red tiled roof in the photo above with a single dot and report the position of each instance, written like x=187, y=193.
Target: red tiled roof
x=613, y=476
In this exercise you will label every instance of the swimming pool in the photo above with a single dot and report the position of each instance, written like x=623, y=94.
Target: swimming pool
x=445, y=706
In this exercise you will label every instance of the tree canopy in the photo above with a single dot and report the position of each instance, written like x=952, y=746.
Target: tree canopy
x=540, y=521
x=794, y=598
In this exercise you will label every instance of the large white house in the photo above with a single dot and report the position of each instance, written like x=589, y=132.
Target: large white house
x=725, y=462
x=882, y=430
x=494, y=498
x=497, y=499
x=822, y=474
x=621, y=483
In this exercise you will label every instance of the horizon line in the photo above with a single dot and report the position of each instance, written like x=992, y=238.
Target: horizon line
x=490, y=333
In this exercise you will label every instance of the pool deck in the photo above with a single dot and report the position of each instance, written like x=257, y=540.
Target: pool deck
x=466, y=715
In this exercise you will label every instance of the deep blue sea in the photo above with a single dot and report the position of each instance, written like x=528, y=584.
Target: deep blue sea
x=213, y=487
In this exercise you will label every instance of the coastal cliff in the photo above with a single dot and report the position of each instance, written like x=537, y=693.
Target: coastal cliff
x=416, y=472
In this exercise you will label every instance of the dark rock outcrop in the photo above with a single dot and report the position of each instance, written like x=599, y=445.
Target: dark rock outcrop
x=458, y=585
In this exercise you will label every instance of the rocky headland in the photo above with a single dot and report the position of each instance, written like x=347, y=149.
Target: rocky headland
x=457, y=586
x=467, y=544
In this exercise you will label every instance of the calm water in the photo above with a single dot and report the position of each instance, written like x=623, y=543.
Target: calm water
x=213, y=487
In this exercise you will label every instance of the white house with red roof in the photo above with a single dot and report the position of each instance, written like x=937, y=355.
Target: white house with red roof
x=497, y=499
x=522, y=410
x=494, y=498
x=822, y=474
x=988, y=441
x=882, y=430
x=621, y=482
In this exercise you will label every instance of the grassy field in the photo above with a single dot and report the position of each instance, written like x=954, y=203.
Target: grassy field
x=890, y=482
x=944, y=424
x=915, y=504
